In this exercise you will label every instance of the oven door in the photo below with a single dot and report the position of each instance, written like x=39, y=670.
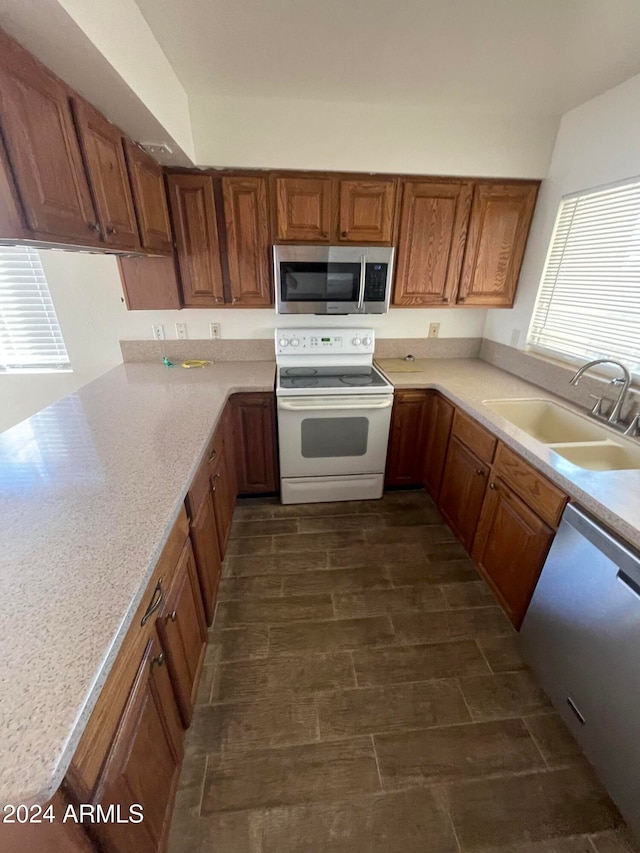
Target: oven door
x=333, y=435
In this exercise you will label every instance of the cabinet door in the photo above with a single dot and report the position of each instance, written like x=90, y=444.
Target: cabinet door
x=498, y=230
x=303, y=209
x=204, y=538
x=464, y=482
x=38, y=129
x=193, y=212
x=150, y=199
x=150, y=283
x=101, y=144
x=439, y=417
x=183, y=632
x=405, y=437
x=143, y=764
x=223, y=501
x=367, y=211
x=255, y=443
x=510, y=548
x=433, y=230
x=247, y=226
x=11, y=215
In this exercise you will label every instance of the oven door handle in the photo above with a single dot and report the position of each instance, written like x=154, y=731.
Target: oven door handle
x=363, y=276
x=292, y=406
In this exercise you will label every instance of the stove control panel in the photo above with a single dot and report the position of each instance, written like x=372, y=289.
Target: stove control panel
x=331, y=341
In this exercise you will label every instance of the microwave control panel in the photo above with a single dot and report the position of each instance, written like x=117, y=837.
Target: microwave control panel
x=332, y=342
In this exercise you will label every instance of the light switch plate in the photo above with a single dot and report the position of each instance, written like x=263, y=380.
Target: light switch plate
x=181, y=331
x=157, y=330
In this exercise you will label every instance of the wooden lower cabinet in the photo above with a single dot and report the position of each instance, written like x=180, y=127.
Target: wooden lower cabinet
x=404, y=466
x=183, y=632
x=254, y=439
x=143, y=764
x=464, y=482
x=438, y=420
x=204, y=539
x=510, y=548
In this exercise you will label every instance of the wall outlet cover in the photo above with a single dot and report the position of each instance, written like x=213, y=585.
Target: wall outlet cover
x=181, y=331
x=434, y=330
x=214, y=329
x=157, y=331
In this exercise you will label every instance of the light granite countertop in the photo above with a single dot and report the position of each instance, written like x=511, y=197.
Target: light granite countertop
x=611, y=496
x=89, y=490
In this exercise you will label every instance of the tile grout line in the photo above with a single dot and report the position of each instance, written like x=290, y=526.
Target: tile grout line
x=453, y=829
x=484, y=657
x=375, y=755
x=203, y=784
x=537, y=745
x=464, y=699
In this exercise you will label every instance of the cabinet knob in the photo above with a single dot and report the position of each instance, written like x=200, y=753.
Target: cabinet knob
x=462, y=298
x=112, y=230
x=218, y=299
x=158, y=661
x=217, y=476
x=171, y=617
x=213, y=457
x=480, y=472
x=236, y=299
x=94, y=226
x=492, y=486
x=345, y=234
x=446, y=299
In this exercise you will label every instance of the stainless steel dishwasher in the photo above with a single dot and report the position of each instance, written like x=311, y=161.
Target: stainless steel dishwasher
x=581, y=637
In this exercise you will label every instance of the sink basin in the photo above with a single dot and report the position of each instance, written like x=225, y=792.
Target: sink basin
x=601, y=457
x=574, y=437
x=547, y=421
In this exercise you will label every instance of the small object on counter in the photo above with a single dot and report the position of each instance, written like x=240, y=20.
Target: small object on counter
x=166, y=362
x=195, y=362
x=409, y=357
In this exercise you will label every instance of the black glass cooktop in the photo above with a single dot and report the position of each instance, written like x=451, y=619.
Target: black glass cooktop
x=330, y=377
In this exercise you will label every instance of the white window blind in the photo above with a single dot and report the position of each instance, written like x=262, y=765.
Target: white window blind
x=589, y=300
x=30, y=336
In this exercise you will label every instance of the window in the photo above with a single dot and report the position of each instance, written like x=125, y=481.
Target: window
x=589, y=301
x=30, y=336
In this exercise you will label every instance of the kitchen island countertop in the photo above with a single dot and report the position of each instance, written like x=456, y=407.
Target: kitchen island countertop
x=89, y=490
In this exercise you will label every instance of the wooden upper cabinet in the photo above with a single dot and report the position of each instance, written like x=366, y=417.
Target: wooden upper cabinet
x=38, y=129
x=367, y=211
x=303, y=209
x=193, y=210
x=498, y=228
x=149, y=196
x=101, y=144
x=246, y=217
x=11, y=214
x=433, y=230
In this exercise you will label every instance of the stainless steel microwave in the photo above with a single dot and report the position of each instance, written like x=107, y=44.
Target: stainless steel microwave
x=332, y=279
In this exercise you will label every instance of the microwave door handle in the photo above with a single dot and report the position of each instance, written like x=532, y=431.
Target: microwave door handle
x=363, y=275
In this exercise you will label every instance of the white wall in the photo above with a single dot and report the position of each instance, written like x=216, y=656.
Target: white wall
x=598, y=143
x=273, y=133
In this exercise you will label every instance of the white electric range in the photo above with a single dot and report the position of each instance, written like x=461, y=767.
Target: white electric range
x=334, y=412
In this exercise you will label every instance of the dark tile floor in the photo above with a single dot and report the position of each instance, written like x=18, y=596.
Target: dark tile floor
x=362, y=693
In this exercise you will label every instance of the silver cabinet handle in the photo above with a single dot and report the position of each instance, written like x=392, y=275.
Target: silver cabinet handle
x=156, y=600
x=171, y=617
x=158, y=661
x=492, y=486
x=111, y=229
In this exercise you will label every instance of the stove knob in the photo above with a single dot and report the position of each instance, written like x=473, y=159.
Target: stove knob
x=283, y=342
x=366, y=342
x=356, y=342
x=294, y=342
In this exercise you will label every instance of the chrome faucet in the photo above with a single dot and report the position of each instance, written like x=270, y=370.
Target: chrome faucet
x=624, y=380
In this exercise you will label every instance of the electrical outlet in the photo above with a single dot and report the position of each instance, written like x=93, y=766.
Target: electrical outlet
x=157, y=330
x=214, y=329
x=181, y=331
x=434, y=330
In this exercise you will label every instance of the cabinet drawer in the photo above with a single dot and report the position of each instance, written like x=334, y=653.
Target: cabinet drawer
x=96, y=739
x=546, y=499
x=477, y=439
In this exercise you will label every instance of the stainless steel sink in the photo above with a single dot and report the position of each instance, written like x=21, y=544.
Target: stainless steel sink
x=569, y=434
